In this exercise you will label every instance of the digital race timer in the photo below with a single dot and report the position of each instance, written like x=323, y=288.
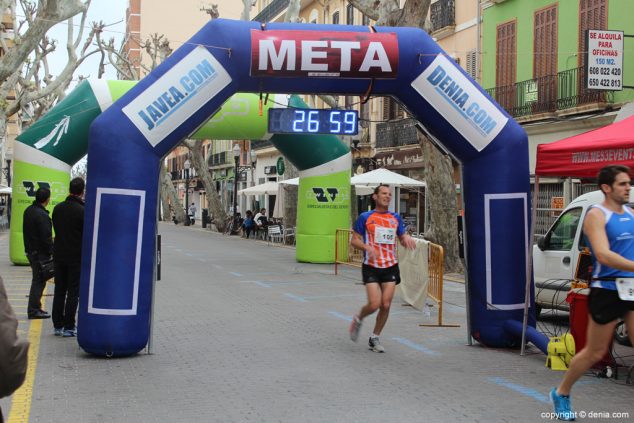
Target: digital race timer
x=313, y=121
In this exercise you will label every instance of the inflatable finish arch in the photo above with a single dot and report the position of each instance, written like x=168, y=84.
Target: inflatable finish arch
x=225, y=57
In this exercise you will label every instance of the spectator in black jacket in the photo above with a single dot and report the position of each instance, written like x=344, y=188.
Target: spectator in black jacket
x=68, y=221
x=38, y=246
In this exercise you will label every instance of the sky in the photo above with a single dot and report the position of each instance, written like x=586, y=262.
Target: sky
x=108, y=11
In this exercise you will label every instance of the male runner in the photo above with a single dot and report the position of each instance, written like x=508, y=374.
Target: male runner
x=375, y=232
x=609, y=227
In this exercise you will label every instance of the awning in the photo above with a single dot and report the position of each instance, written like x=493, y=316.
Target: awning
x=583, y=155
x=262, y=189
x=384, y=176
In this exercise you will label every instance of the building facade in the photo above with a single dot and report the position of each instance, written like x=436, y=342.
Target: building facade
x=534, y=65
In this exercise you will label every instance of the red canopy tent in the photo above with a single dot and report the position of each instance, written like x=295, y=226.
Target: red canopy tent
x=580, y=156
x=583, y=155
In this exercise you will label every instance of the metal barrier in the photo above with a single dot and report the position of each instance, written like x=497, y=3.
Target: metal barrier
x=346, y=254
x=436, y=260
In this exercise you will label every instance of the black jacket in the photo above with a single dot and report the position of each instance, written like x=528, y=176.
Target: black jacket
x=68, y=221
x=37, y=231
x=13, y=351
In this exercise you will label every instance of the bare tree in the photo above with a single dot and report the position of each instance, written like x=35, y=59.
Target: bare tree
x=24, y=69
x=438, y=171
x=248, y=4
x=199, y=161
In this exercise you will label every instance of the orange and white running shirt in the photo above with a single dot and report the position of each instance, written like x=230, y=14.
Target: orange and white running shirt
x=380, y=230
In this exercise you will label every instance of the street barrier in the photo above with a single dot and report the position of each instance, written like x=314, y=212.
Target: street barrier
x=346, y=254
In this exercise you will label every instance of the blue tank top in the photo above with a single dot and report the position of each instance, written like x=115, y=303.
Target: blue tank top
x=620, y=231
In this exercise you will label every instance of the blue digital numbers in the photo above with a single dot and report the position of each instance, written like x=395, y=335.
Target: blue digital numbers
x=313, y=121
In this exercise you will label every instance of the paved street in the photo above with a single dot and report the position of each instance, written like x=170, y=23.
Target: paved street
x=244, y=333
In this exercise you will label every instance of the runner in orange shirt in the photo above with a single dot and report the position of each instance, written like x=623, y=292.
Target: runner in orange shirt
x=376, y=232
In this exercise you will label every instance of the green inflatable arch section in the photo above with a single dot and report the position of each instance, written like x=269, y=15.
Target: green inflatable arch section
x=46, y=151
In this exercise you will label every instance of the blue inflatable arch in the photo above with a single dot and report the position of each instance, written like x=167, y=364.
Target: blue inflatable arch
x=128, y=141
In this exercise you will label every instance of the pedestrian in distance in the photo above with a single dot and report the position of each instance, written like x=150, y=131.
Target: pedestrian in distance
x=38, y=246
x=13, y=351
x=68, y=222
x=248, y=225
x=192, y=213
x=376, y=232
x=609, y=228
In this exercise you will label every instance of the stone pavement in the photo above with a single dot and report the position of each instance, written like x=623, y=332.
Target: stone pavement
x=244, y=333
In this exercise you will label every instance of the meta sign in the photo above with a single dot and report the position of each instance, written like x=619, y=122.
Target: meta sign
x=324, y=54
x=605, y=60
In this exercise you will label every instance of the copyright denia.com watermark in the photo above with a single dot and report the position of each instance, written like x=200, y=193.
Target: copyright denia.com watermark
x=589, y=415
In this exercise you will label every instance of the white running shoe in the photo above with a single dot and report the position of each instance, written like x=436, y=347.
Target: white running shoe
x=355, y=328
x=375, y=345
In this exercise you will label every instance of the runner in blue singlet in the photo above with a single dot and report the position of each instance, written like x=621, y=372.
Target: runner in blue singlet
x=609, y=228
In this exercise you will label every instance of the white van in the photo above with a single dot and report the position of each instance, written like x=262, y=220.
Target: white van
x=556, y=254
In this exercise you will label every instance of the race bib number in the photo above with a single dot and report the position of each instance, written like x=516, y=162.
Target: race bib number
x=384, y=235
x=625, y=288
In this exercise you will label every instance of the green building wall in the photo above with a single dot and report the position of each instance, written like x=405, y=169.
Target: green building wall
x=523, y=12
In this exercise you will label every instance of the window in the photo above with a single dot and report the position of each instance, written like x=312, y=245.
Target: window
x=335, y=18
x=592, y=15
x=391, y=109
x=506, y=64
x=365, y=21
x=545, y=46
x=562, y=235
x=350, y=15
x=472, y=65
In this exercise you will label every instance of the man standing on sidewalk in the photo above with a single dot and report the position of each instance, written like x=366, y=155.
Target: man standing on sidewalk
x=68, y=221
x=609, y=227
x=375, y=232
x=38, y=246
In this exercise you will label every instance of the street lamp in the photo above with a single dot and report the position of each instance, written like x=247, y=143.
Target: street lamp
x=187, y=165
x=236, y=158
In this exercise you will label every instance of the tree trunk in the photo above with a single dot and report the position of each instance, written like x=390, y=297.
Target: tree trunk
x=169, y=192
x=167, y=214
x=199, y=162
x=290, y=196
x=441, y=190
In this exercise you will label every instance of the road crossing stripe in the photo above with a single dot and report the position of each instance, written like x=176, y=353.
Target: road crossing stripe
x=415, y=346
x=529, y=392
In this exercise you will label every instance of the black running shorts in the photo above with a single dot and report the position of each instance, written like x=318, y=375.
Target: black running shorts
x=606, y=306
x=371, y=274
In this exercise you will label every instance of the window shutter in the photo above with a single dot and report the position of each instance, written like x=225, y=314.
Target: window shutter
x=471, y=64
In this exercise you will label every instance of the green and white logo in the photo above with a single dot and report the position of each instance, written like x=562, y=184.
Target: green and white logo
x=58, y=131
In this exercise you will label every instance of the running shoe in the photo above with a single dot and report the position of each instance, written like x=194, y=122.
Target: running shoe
x=375, y=345
x=58, y=331
x=70, y=333
x=355, y=328
x=562, y=407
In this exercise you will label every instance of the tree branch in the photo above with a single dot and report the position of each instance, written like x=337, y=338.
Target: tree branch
x=49, y=13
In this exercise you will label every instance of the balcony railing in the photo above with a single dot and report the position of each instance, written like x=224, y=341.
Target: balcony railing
x=217, y=159
x=396, y=133
x=260, y=144
x=271, y=11
x=443, y=14
x=548, y=94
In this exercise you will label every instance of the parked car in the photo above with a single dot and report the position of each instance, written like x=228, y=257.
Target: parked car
x=556, y=254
